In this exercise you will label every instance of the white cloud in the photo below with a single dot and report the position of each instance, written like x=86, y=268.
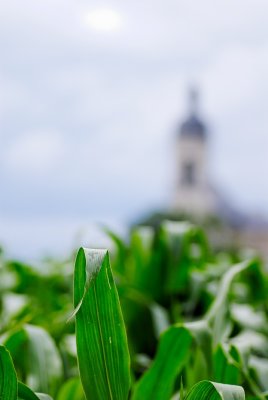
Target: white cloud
x=235, y=78
x=118, y=97
x=33, y=153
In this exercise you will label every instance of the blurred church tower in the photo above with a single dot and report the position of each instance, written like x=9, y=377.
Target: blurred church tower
x=193, y=193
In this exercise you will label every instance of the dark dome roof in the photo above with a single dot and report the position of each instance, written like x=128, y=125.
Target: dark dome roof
x=193, y=127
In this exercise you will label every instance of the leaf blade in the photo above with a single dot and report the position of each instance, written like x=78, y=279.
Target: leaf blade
x=25, y=393
x=102, y=348
x=207, y=390
x=8, y=378
x=173, y=351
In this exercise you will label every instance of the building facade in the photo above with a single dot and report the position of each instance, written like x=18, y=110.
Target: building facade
x=193, y=191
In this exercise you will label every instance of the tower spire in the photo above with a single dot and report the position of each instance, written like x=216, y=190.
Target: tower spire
x=193, y=100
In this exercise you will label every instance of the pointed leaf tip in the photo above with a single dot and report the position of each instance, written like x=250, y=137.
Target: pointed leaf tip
x=102, y=348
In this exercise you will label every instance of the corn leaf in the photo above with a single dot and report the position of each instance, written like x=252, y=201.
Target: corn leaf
x=25, y=393
x=102, y=348
x=45, y=366
x=177, y=349
x=200, y=362
x=141, y=248
x=259, y=369
x=173, y=351
x=186, y=247
x=242, y=347
x=8, y=378
x=206, y=390
x=72, y=389
x=226, y=370
x=41, y=362
x=202, y=336
x=218, y=312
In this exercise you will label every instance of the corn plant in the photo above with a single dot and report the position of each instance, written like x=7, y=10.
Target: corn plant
x=160, y=317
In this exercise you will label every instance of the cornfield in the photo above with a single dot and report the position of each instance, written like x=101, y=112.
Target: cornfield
x=158, y=317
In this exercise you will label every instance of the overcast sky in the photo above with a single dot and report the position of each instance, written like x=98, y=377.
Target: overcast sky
x=91, y=94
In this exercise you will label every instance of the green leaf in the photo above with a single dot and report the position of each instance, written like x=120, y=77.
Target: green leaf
x=226, y=370
x=217, y=314
x=173, y=351
x=200, y=362
x=178, y=348
x=259, y=369
x=102, y=348
x=41, y=362
x=242, y=347
x=121, y=252
x=72, y=389
x=249, y=341
x=8, y=378
x=186, y=248
x=45, y=366
x=25, y=393
x=202, y=336
x=142, y=239
x=206, y=390
x=181, y=390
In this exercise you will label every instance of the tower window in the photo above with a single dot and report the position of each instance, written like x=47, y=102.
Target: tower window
x=188, y=174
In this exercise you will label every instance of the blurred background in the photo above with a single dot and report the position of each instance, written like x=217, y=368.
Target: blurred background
x=93, y=96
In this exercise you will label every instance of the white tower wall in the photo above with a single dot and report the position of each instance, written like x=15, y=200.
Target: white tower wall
x=193, y=193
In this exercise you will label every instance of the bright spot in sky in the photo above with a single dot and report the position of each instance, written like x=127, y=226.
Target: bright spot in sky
x=104, y=19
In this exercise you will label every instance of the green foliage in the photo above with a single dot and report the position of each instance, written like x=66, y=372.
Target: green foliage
x=157, y=383
x=8, y=379
x=164, y=319
x=25, y=393
x=100, y=332
x=206, y=390
x=72, y=389
x=42, y=365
